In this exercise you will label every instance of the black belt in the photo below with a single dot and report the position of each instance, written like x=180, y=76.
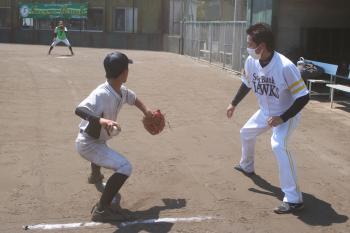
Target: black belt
x=81, y=131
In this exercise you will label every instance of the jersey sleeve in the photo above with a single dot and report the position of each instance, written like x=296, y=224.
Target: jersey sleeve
x=93, y=103
x=245, y=75
x=295, y=83
x=130, y=97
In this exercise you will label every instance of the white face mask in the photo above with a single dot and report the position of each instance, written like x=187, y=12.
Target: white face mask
x=254, y=55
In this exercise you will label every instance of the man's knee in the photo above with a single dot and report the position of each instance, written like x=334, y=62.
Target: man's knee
x=277, y=146
x=247, y=134
x=242, y=132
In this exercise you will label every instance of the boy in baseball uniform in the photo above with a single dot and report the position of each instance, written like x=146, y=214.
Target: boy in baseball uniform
x=99, y=113
x=61, y=37
x=282, y=94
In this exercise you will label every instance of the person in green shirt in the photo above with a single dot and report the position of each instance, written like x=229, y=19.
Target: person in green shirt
x=61, y=36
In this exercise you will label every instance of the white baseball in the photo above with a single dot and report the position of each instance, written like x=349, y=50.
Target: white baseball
x=115, y=131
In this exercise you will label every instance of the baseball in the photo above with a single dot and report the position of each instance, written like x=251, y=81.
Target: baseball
x=115, y=131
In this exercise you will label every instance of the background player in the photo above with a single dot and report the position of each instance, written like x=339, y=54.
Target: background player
x=61, y=33
x=281, y=93
x=99, y=112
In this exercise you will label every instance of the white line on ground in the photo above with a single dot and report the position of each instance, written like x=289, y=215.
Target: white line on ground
x=122, y=224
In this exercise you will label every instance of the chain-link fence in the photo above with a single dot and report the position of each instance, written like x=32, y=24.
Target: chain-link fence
x=222, y=43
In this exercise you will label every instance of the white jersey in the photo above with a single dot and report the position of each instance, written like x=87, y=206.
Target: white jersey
x=105, y=102
x=276, y=85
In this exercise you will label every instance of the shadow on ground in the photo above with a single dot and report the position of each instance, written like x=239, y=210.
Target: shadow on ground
x=316, y=213
x=143, y=221
x=147, y=217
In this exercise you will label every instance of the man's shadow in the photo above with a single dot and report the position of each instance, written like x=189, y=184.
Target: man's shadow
x=316, y=213
x=144, y=221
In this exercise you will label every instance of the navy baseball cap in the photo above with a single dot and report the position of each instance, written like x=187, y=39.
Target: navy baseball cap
x=115, y=63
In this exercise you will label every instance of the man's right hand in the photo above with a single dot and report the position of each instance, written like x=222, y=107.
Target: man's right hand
x=230, y=110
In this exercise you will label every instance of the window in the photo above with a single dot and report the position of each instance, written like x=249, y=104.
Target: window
x=93, y=22
x=95, y=19
x=125, y=19
x=27, y=23
x=5, y=17
x=119, y=20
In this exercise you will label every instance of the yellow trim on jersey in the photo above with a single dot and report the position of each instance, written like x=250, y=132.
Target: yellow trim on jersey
x=299, y=89
x=295, y=84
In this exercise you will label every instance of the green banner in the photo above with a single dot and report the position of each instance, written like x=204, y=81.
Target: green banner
x=52, y=11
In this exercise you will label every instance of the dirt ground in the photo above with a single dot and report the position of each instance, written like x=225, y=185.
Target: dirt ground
x=184, y=172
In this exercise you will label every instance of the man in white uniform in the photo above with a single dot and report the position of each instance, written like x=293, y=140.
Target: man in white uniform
x=99, y=112
x=281, y=93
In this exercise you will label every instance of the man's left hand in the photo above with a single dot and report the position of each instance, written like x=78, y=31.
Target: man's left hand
x=274, y=121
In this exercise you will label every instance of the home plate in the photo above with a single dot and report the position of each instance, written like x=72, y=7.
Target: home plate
x=64, y=56
x=120, y=225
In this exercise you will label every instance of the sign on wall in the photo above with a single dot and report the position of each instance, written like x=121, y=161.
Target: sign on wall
x=49, y=11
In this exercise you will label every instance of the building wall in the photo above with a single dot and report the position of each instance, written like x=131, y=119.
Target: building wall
x=150, y=16
x=299, y=21
x=260, y=11
x=5, y=2
x=229, y=13
x=147, y=34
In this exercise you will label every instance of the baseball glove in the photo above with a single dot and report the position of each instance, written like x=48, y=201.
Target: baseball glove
x=154, y=124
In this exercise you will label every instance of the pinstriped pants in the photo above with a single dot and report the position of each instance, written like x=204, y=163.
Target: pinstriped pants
x=257, y=125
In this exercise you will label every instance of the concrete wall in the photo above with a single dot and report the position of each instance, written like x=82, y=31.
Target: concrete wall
x=172, y=43
x=294, y=17
x=5, y=35
x=143, y=41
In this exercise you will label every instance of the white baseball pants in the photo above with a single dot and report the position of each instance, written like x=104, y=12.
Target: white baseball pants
x=99, y=153
x=257, y=125
x=56, y=41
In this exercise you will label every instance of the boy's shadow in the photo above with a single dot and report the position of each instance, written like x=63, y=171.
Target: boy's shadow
x=316, y=213
x=143, y=221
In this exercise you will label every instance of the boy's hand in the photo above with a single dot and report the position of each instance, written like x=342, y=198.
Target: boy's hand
x=148, y=113
x=230, y=110
x=108, y=125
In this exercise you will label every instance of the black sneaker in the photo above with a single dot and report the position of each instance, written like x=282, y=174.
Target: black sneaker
x=286, y=208
x=106, y=215
x=239, y=168
x=95, y=178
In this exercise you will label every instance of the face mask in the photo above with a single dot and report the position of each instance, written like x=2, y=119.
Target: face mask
x=254, y=55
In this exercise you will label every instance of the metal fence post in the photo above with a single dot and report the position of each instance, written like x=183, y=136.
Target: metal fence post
x=211, y=42
x=224, y=52
x=198, y=36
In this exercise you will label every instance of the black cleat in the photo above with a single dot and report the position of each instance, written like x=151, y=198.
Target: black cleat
x=286, y=208
x=106, y=215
